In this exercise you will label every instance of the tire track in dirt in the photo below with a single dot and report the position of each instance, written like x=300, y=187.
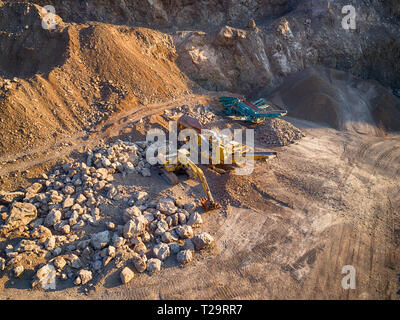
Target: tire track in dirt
x=104, y=130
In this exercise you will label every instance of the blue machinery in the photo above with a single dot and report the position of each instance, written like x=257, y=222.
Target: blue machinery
x=256, y=112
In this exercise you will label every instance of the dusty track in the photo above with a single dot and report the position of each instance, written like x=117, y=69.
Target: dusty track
x=68, y=144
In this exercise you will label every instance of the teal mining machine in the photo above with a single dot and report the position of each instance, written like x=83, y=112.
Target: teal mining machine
x=238, y=108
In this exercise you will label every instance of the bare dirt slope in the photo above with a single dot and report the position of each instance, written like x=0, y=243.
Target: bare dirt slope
x=337, y=99
x=58, y=82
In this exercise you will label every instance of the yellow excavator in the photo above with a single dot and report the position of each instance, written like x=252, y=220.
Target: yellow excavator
x=175, y=162
x=226, y=150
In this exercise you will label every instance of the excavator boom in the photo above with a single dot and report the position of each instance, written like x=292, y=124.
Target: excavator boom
x=208, y=203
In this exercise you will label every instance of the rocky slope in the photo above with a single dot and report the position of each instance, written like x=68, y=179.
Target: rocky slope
x=57, y=82
x=258, y=58
x=339, y=100
x=219, y=52
x=71, y=78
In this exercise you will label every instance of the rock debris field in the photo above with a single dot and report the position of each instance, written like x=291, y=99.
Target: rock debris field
x=278, y=132
x=56, y=227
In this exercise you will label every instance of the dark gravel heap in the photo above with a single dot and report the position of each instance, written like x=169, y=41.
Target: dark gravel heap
x=278, y=132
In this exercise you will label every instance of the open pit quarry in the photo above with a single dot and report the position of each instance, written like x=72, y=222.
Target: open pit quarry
x=85, y=215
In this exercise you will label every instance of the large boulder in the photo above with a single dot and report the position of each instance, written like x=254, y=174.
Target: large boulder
x=126, y=275
x=135, y=227
x=100, y=240
x=166, y=206
x=45, y=277
x=10, y=197
x=203, y=240
x=21, y=214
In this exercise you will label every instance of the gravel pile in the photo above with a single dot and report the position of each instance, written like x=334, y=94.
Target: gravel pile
x=58, y=220
x=278, y=132
x=204, y=114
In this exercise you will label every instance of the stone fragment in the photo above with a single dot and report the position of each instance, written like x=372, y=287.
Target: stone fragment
x=126, y=275
x=153, y=265
x=100, y=240
x=184, y=256
x=203, y=240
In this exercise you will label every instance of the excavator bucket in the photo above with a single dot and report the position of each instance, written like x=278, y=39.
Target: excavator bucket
x=207, y=206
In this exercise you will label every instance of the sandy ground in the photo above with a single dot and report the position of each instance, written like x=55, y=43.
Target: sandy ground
x=332, y=199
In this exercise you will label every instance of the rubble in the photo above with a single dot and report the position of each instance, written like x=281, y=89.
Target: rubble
x=100, y=240
x=139, y=263
x=203, y=240
x=126, y=275
x=21, y=214
x=10, y=197
x=278, y=132
x=61, y=217
x=45, y=277
x=195, y=220
x=18, y=270
x=153, y=265
x=84, y=276
x=204, y=113
x=161, y=251
x=185, y=256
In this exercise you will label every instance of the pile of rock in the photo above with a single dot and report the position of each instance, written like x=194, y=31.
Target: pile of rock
x=61, y=223
x=6, y=85
x=204, y=114
x=278, y=132
x=123, y=157
x=158, y=231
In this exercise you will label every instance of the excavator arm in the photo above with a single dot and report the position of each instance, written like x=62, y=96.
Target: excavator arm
x=208, y=203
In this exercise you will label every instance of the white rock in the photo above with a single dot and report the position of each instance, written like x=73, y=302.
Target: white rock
x=161, y=251
x=135, y=227
x=184, y=256
x=45, y=277
x=203, y=240
x=131, y=213
x=100, y=240
x=153, y=265
x=167, y=206
x=195, y=220
x=126, y=275
x=184, y=232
